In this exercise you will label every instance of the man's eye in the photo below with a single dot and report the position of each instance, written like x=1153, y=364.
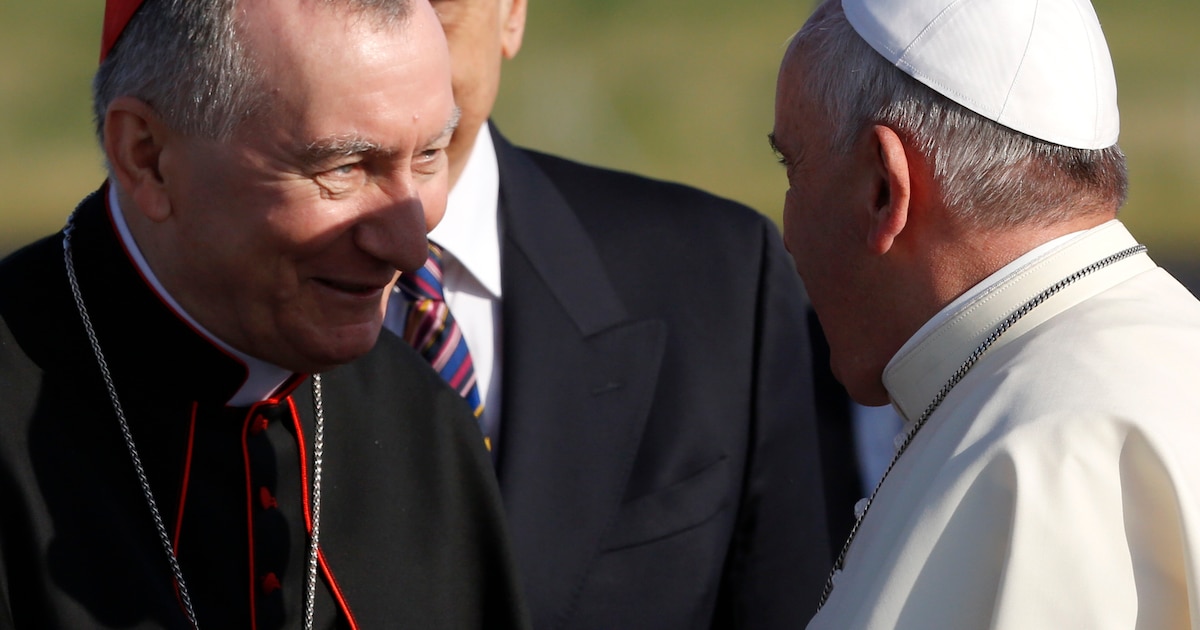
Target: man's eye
x=344, y=170
x=341, y=179
x=429, y=161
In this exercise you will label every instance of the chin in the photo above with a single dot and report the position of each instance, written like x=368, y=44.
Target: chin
x=338, y=350
x=350, y=350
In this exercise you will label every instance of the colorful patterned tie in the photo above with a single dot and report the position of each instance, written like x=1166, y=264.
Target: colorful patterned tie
x=431, y=329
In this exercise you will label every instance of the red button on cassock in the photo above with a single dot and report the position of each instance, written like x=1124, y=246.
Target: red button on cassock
x=269, y=584
x=265, y=499
x=258, y=425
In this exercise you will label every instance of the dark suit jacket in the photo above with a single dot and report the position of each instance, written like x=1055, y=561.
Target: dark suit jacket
x=412, y=528
x=657, y=456
x=840, y=468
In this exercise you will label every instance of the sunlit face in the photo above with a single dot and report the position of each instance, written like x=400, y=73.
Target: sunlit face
x=481, y=34
x=824, y=224
x=284, y=241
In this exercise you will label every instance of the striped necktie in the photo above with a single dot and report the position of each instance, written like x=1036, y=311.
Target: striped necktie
x=431, y=329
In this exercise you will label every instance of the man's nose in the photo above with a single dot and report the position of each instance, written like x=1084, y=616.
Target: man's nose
x=394, y=229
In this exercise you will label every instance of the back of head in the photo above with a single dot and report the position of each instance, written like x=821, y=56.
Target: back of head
x=993, y=168
x=185, y=59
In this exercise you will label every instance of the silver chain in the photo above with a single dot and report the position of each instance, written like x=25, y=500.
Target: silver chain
x=314, y=540
x=955, y=378
x=144, y=482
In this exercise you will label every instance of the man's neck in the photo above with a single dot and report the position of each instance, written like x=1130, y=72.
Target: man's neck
x=971, y=255
x=941, y=269
x=263, y=378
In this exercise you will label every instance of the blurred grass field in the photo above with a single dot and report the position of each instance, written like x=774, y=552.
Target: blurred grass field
x=676, y=89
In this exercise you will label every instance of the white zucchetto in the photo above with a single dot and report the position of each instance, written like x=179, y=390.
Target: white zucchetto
x=1040, y=67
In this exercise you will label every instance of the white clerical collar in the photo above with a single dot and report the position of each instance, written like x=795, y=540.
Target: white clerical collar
x=262, y=378
x=926, y=361
x=470, y=231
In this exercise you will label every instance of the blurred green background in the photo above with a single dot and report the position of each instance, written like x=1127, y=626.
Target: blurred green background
x=676, y=89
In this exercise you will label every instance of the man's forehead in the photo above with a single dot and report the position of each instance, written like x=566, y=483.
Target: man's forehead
x=792, y=90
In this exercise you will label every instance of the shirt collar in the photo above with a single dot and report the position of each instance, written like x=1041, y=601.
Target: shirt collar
x=470, y=231
x=262, y=378
x=926, y=361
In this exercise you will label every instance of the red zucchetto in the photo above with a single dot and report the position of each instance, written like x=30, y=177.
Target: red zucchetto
x=117, y=14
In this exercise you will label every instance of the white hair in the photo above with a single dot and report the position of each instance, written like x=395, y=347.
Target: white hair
x=987, y=174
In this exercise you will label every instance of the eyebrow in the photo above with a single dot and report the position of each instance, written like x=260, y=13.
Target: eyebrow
x=452, y=123
x=326, y=149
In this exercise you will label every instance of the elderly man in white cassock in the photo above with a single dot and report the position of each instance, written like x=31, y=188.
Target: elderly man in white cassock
x=954, y=185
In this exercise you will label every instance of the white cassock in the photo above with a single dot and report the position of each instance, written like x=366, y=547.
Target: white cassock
x=1058, y=484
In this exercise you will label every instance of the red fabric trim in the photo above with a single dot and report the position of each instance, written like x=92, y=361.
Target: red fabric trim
x=187, y=473
x=285, y=391
x=250, y=512
x=302, y=448
x=337, y=590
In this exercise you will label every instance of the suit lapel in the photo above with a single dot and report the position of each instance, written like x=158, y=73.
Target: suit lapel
x=578, y=376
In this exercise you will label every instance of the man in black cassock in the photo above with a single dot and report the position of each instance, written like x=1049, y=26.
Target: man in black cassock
x=199, y=423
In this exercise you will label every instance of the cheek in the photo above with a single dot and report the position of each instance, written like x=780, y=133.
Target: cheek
x=794, y=229
x=298, y=215
x=234, y=213
x=277, y=244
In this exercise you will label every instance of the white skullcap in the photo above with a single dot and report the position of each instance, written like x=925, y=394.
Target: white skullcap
x=1040, y=67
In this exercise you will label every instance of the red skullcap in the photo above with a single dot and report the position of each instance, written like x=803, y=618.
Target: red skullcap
x=117, y=14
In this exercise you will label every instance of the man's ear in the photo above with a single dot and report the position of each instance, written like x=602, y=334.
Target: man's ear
x=512, y=26
x=133, y=142
x=889, y=214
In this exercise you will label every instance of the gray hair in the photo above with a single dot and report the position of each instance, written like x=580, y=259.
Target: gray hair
x=988, y=174
x=186, y=59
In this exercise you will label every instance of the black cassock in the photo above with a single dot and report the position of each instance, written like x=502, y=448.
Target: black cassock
x=412, y=535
